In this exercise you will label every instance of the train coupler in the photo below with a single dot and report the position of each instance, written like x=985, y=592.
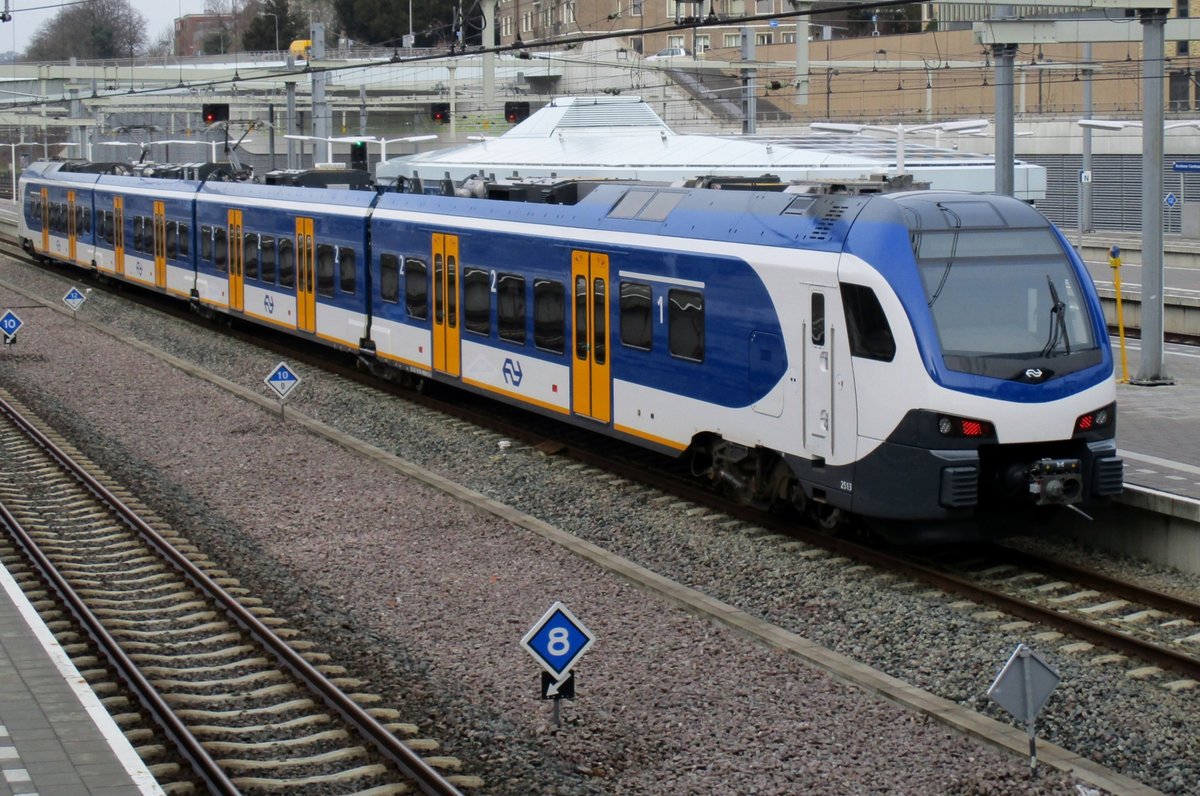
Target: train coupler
x=1056, y=481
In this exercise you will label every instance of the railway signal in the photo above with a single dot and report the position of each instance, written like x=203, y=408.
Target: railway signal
x=214, y=112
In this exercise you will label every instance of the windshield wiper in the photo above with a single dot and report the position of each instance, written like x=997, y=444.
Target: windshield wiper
x=1058, y=323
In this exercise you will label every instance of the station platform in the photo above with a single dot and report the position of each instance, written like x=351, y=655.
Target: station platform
x=1158, y=428
x=56, y=739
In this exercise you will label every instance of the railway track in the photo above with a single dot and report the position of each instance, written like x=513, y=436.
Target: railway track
x=242, y=709
x=1153, y=633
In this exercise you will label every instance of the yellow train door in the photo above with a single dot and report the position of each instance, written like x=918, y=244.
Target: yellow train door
x=236, y=286
x=306, y=288
x=160, y=244
x=71, y=225
x=446, y=348
x=119, y=235
x=591, y=370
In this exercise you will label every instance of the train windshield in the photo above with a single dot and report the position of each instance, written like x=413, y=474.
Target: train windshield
x=1005, y=301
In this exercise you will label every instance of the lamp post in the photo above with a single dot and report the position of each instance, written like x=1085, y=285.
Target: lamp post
x=899, y=130
x=276, y=18
x=1151, y=370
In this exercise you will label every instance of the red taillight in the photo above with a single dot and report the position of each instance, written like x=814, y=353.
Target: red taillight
x=950, y=426
x=1099, y=418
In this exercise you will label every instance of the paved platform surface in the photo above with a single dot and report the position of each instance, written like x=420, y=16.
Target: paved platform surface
x=56, y=739
x=1158, y=428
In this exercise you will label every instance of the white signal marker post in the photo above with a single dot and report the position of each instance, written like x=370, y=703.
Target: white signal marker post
x=74, y=299
x=1022, y=688
x=282, y=379
x=556, y=641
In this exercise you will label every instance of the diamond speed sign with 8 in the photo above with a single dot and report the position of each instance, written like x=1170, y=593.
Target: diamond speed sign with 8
x=557, y=640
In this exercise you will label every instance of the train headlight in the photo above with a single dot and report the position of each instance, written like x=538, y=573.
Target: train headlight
x=951, y=426
x=1095, y=420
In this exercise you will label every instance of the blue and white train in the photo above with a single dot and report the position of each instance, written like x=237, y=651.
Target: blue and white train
x=928, y=359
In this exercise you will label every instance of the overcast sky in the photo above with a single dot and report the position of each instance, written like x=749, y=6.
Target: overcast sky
x=29, y=15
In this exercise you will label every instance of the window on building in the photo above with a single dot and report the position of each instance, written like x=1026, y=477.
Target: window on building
x=733, y=40
x=764, y=38
x=703, y=43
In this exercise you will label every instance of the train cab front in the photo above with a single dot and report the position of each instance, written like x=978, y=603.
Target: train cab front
x=1019, y=412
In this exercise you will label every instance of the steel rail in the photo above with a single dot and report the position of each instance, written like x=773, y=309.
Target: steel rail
x=429, y=780
x=187, y=743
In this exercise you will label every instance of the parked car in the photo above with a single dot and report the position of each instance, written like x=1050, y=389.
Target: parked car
x=670, y=52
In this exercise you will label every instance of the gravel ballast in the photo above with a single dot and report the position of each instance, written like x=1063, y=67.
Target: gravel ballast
x=428, y=599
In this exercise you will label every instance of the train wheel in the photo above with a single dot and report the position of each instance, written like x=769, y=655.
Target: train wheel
x=825, y=516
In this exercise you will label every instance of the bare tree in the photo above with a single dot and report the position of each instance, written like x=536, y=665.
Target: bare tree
x=96, y=29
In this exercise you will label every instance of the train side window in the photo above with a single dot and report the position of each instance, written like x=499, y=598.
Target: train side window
x=250, y=255
x=87, y=220
x=137, y=233
x=172, y=240
x=110, y=228
x=220, y=248
x=869, y=332
x=636, y=315
x=347, y=270
x=549, y=315
x=325, y=266
x=477, y=301
x=818, y=319
x=685, y=324
x=510, y=307
x=599, y=321
x=287, y=263
x=266, y=259
x=206, y=247
x=416, y=289
x=389, y=278
x=581, y=339
x=184, y=240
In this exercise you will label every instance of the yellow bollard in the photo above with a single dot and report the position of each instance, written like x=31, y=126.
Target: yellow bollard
x=1114, y=262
